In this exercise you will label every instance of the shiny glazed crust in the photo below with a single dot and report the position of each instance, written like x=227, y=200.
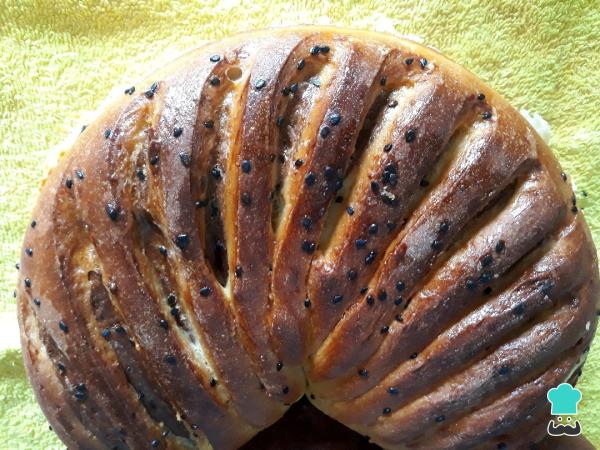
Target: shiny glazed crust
x=341, y=214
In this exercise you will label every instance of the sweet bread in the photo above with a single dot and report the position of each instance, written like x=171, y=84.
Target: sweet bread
x=312, y=211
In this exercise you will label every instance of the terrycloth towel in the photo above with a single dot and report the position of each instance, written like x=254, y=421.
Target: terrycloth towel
x=59, y=59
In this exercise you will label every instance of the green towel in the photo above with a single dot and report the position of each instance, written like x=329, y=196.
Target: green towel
x=59, y=59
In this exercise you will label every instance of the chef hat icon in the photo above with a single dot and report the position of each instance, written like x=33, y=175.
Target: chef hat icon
x=564, y=399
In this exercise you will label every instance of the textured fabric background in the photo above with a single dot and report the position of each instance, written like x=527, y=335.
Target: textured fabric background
x=58, y=60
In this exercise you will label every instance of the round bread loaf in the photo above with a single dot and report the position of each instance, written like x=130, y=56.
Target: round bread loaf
x=344, y=215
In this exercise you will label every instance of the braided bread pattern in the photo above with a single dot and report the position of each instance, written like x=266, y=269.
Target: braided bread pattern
x=343, y=215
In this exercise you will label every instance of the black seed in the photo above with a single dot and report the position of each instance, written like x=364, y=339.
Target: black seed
x=33, y=223
x=246, y=166
x=350, y=210
x=363, y=373
x=440, y=418
x=246, y=199
x=408, y=61
x=519, y=309
x=307, y=303
x=61, y=367
x=329, y=172
x=205, y=291
x=306, y=222
x=209, y=124
x=279, y=366
x=487, y=290
x=171, y=360
x=444, y=226
x=413, y=356
x=120, y=330
x=503, y=446
x=259, y=84
x=310, y=179
x=351, y=274
x=140, y=174
x=370, y=299
x=382, y=81
x=239, y=271
x=563, y=176
x=370, y=257
x=470, y=284
x=390, y=225
x=212, y=382
x=216, y=172
x=177, y=131
x=149, y=93
x=294, y=88
x=80, y=174
x=398, y=318
x=315, y=82
x=27, y=282
x=324, y=49
x=201, y=203
x=324, y=131
x=285, y=91
x=481, y=97
x=486, y=115
x=392, y=390
x=500, y=245
x=37, y=302
x=298, y=163
x=314, y=50
x=382, y=295
x=215, y=81
x=130, y=90
x=334, y=119
x=63, y=327
x=437, y=245
x=337, y=299
x=175, y=312
x=163, y=324
x=107, y=133
x=279, y=121
x=69, y=183
x=300, y=64
x=387, y=411
x=424, y=183
x=384, y=330
x=487, y=260
x=83, y=128
x=375, y=187
x=393, y=103
x=308, y=246
x=504, y=370
x=154, y=160
x=17, y=266
x=29, y=251
x=285, y=390
x=106, y=334
x=215, y=58
x=574, y=209
x=182, y=241
x=80, y=392
x=423, y=63
x=113, y=210
x=398, y=301
x=360, y=243
x=338, y=184
x=155, y=443
x=410, y=135
x=186, y=159
x=363, y=290
x=387, y=147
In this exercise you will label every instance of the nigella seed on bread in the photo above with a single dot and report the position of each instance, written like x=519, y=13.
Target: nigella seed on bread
x=353, y=216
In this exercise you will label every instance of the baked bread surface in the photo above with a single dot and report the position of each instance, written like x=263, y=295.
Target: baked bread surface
x=311, y=211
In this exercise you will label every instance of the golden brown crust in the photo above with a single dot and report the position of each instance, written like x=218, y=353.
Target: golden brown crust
x=343, y=214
